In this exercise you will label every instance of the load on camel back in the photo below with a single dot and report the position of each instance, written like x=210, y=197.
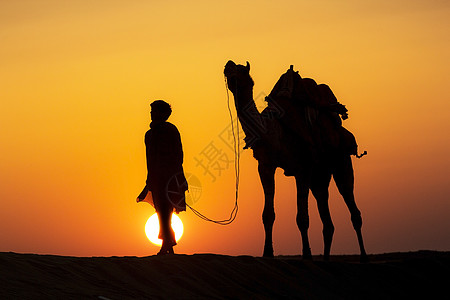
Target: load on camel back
x=320, y=127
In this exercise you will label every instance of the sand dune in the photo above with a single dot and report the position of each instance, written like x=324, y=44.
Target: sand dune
x=208, y=276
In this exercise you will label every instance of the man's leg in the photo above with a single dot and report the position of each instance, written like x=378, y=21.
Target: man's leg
x=166, y=232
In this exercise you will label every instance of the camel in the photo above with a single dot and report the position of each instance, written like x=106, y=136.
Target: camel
x=283, y=140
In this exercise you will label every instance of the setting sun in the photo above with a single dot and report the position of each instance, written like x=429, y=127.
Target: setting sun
x=152, y=228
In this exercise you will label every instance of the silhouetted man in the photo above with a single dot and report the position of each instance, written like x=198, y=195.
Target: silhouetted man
x=165, y=177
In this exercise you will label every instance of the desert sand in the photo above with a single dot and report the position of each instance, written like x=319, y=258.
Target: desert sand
x=412, y=275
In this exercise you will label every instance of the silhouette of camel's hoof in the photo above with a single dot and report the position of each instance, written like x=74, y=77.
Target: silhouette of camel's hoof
x=326, y=257
x=307, y=254
x=307, y=257
x=268, y=253
x=364, y=259
x=268, y=250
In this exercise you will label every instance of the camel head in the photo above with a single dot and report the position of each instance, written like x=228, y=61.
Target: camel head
x=238, y=77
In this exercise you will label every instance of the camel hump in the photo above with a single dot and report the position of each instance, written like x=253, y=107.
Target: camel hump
x=326, y=95
x=288, y=86
x=302, y=98
x=301, y=92
x=305, y=92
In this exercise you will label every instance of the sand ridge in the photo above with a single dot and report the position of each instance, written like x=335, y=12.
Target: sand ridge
x=212, y=276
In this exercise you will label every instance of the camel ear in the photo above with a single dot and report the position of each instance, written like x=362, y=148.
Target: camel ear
x=230, y=63
x=248, y=66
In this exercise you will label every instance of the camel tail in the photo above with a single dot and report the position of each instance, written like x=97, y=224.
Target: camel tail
x=361, y=155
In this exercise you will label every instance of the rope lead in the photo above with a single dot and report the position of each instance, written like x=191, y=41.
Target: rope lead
x=234, y=212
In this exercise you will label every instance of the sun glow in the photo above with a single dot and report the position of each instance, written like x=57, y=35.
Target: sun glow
x=152, y=228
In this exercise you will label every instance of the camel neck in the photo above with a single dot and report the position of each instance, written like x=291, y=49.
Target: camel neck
x=248, y=116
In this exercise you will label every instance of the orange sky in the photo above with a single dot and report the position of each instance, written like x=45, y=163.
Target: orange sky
x=76, y=80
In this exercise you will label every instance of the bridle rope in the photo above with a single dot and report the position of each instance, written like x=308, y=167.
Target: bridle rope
x=236, y=146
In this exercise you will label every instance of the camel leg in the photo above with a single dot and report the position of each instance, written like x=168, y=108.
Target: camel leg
x=344, y=178
x=319, y=188
x=267, y=177
x=302, y=213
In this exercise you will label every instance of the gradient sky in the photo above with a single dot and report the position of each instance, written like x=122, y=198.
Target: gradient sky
x=77, y=78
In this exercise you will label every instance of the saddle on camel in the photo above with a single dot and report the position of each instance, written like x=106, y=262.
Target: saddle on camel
x=324, y=133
